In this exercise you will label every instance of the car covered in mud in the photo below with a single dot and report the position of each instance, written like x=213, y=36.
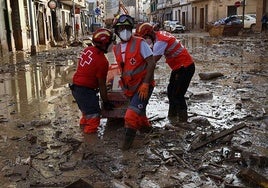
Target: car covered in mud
x=249, y=20
x=230, y=20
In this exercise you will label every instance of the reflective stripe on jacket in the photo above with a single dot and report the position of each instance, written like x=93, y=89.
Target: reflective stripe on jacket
x=176, y=54
x=133, y=69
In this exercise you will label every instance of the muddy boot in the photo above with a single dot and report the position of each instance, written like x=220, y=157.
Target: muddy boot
x=129, y=138
x=146, y=129
x=173, y=120
x=172, y=111
x=183, y=115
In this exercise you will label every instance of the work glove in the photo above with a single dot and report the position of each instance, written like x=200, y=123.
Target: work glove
x=143, y=91
x=108, y=105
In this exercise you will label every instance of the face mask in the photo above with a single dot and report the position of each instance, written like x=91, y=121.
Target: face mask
x=125, y=35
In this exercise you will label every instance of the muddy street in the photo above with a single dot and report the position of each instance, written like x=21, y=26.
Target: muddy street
x=223, y=145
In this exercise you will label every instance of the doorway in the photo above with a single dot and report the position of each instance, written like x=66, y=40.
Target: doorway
x=202, y=18
x=8, y=34
x=16, y=25
x=231, y=10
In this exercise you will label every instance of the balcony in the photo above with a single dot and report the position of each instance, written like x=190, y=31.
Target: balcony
x=163, y=5
x=78, y=3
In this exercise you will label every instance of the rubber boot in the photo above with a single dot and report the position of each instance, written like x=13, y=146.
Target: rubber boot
x=83, y=122
x=183, y=115
x=92, y=125
x=129, y=138
x=172, y=111
x=147, y=127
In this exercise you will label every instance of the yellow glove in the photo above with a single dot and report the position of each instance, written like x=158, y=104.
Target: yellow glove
x=143, y=91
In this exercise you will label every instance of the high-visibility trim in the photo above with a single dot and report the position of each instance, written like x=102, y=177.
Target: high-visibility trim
x=173, y=50
x=134, y=68
x=89, y=116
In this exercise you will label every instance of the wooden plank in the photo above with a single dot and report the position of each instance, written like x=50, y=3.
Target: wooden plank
x=253, y=178
x=217, y=136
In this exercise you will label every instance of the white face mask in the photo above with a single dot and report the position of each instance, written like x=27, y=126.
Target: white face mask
x=125, y=35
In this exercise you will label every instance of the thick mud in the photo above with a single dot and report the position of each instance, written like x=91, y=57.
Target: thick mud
x=42, y=145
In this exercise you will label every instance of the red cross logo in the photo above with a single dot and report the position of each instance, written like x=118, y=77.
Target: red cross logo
x=86, y=58
x=132, y=61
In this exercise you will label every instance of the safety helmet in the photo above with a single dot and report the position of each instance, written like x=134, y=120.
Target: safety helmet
x=124, y=19
x=102, y=38
x=144, y=29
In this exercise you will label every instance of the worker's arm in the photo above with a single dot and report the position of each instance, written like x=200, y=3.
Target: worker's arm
x=144, y=87
x=147, y=53
x=103, y=94
x=159, y=50
x=157, y=57
x=150, y=69
x=103, y=89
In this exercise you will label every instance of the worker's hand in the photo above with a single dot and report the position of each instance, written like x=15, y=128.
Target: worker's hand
x=108, y=105
x=143, y=91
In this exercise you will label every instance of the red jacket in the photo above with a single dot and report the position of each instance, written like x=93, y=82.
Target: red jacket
x=92, y=65
x=176, y=54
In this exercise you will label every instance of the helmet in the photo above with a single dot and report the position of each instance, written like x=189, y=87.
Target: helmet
x=102, y=38
x=124, y=19
x=144, y=29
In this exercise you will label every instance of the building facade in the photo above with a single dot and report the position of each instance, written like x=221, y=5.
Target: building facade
x=26, y=24
x=196, y=14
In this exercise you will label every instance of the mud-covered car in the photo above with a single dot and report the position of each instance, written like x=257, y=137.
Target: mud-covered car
x=174, y=27
x=229, y=26
x=230, y=20
x=249, y=21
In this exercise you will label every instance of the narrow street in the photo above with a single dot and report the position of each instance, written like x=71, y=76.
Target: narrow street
x=42, y=145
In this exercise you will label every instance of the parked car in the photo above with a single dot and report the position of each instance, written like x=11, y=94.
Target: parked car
x=252, y=15
x=249, y=21
x=174, y=27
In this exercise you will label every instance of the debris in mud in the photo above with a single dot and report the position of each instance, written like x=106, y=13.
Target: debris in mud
x=40, y=126
x=209, y=75
x=214, y=137
x=79, y=184
x=253, y=178
x=68, y=166
x=76, y=43
x=18, y=172
x=206, y=95
x=37, y=123
x=2, y=120
x=32, y=139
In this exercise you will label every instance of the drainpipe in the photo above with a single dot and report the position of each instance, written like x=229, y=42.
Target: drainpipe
x=74, y=26
x=33, y=47
x=243, y=20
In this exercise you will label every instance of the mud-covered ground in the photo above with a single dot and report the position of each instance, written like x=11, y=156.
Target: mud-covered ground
x=223, y=145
